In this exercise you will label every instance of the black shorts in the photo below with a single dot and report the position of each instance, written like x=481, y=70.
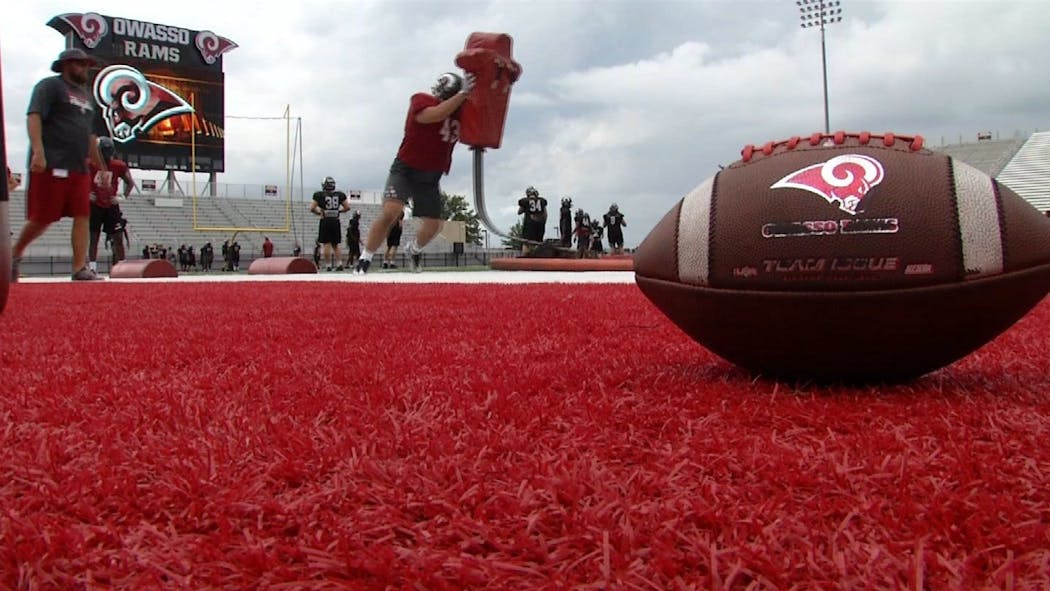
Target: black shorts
x=329, y=232
x=418, y=186
x=105, y=219
x=615, y=237
x=394, y=237
x=532, y=230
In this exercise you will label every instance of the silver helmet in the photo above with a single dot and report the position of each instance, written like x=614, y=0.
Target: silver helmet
x=447, y=85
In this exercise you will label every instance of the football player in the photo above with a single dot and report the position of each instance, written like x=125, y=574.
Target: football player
x=615, y=222
x=431, y=133
x=328, y=204
x=565, y=222
x=105, y=204
x=353, y=239
x=393, y=242
x=583, y=233
x=596, y=239
x=534, y=225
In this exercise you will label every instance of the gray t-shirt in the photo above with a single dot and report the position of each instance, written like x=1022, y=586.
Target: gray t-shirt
x=66, y=111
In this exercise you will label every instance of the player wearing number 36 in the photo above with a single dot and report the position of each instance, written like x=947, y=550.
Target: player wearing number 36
x=431, y=132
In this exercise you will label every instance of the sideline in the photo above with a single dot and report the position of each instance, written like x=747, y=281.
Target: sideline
x=438, y=275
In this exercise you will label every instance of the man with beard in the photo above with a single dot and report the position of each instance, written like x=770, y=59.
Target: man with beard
x=105, y=205
x=59, y=121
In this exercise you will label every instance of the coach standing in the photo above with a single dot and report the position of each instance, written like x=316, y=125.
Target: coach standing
x=59, y=121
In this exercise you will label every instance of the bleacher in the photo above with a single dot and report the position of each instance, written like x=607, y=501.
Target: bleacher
x=169, y=221
x=1028, y=172
x=988, y=156
x=1022, y=163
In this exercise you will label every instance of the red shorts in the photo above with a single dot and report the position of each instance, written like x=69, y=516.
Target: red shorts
x=51, y=198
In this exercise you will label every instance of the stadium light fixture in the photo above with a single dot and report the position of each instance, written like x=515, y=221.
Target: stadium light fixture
x=821, y=13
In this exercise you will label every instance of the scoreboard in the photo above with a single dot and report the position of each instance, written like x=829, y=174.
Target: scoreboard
x=158, y=89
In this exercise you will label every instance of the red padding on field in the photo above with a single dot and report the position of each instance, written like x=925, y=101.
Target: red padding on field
x=487, y=56
x=282, y=266
x=538, y=264
x=143, y=268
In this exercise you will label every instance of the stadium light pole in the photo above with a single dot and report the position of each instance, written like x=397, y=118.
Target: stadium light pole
x=820, y=13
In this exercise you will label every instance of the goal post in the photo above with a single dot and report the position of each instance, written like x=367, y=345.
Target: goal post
x=292, y=161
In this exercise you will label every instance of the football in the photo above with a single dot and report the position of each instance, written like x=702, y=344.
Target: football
x=846, y=257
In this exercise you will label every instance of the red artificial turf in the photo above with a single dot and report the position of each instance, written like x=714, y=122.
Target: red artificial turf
x=342, y=436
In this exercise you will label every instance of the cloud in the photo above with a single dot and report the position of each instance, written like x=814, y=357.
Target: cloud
x=621, y=101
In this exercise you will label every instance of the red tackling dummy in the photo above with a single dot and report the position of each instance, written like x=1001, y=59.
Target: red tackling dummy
x=488, y=57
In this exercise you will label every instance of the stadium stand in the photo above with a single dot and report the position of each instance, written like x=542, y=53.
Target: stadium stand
x=1028, y=172
x=1022, y=163
x=988, y=156
x=169, y=221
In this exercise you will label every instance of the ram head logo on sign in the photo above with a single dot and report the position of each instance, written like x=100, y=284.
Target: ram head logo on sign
x=131, y=104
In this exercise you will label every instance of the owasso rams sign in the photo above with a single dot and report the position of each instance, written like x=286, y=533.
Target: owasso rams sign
x=159, y=89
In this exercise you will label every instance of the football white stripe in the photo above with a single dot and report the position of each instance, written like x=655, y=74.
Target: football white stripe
x=979, y=224
x=694, y=231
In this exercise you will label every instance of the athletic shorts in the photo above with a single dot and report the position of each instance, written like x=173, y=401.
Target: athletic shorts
x=418, y=186
x=615, y=238
x=105, y=219
x=52, y=198
x=532, y=230
x=329, y=232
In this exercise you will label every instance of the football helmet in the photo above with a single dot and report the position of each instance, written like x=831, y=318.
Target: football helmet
x=328, y=184
x=566, y=202
x=447, y=85
x=106, y=147
x=614, y=207
x=532, y=192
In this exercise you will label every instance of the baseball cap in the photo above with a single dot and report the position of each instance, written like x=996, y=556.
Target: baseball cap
x=73, y=54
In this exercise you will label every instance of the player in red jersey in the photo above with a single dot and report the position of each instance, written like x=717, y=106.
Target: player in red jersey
x=431, y=133
x=105, y=205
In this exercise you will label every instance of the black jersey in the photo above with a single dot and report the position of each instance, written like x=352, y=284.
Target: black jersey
x=331, y=203
x=534, y=208
x=353, y=229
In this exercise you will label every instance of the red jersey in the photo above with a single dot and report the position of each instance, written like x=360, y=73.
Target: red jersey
x=428, y=146
x=104, y=194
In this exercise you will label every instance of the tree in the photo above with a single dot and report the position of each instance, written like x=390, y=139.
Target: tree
x=455, y=207
x=515, y=232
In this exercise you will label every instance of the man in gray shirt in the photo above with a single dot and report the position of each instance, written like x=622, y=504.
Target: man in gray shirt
x=59, y=120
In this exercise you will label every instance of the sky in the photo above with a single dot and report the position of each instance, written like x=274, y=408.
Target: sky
x=632, y=102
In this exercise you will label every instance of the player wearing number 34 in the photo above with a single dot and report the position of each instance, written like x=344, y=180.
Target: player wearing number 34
x=431, y=133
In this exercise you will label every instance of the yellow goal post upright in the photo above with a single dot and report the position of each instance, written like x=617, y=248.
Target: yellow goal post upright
x=293, y=158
